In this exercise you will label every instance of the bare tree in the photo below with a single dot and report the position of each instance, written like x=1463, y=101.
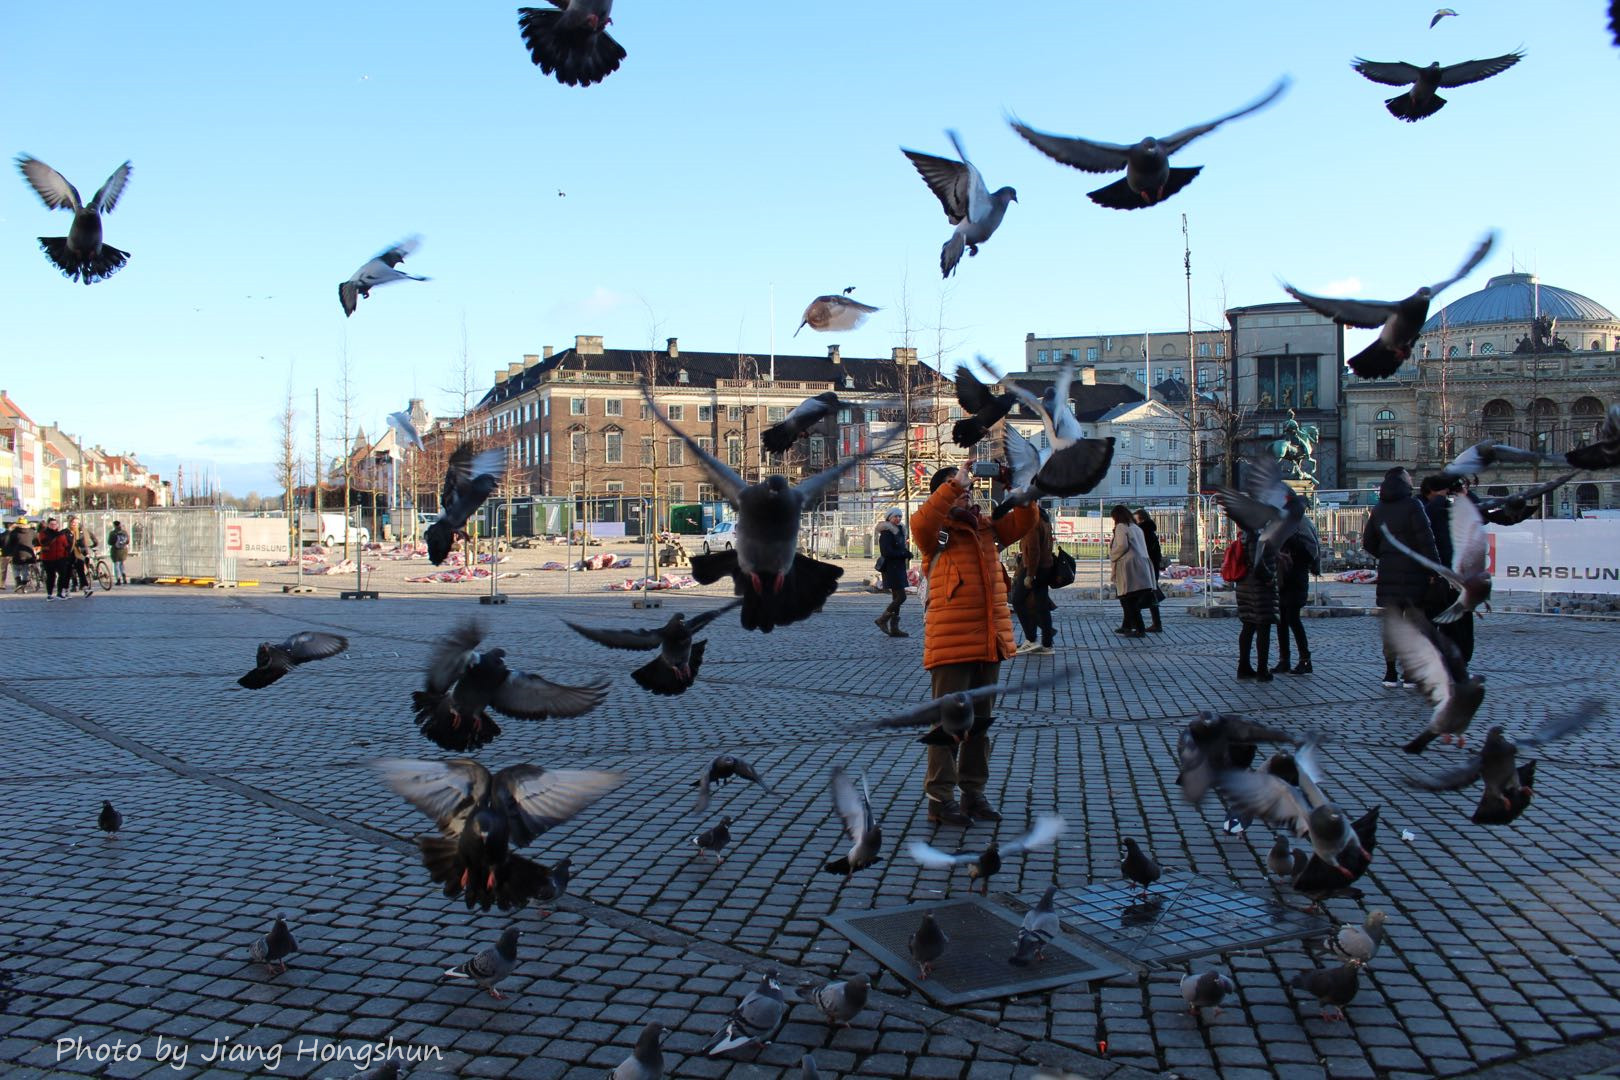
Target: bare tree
x=287, y=466
x=346, y=400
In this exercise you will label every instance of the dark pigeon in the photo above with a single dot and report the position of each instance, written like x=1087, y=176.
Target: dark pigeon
x=1265, y=506
x=1205, y=990
x=1138, y=866
x=1422, y=100
x=780, y=437
x=471, y=478
x=1509, y=785
x=676, y=666
x=109, y=820
x=713, y=841
x=572, y=42
x=646, y=1061
x=1433, y=662
x=984, y=409
x=1335, y=987
x=721, y=768
x=274, y=661
x=927, y=945
x=81, y=254
x=273, y=948
x=1603, y=452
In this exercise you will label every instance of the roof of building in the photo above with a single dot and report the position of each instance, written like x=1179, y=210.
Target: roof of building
x=1517, y=298
x=11, y=409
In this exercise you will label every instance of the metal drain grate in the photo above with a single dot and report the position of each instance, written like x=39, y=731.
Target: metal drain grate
x=1184, y=915
x=974, y=967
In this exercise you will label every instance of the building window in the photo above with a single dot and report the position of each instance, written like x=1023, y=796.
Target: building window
x=677, y=493
x=1486, y=349
x=545, y=445
x=676, y=454
x=705, y=493
x=646, y=411
x=734, y=413
x=677, y=412
x=647, y=450
x=734, y=450
x=1220, y=348
x=776, y=413
x=705, y=414
x=576, y=406
x=1172, y=440
x=613, y=447
x=1286, y=382
x=1124, y=440
x=1172, y=475
x=1040, y=356
x=1091, y=354
x=818, y=451
x=579, y=443
x=1453, y=351
x=1384, y=436
x=1147, y=475
x=1203, y=378
x=613, y=407
x=614, y=487
x=1203, y=348
x=1125, y=475
x=1147, y=444
x=706, y=444
x=844, y=416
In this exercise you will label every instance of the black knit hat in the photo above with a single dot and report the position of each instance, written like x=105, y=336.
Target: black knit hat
x=940, y=477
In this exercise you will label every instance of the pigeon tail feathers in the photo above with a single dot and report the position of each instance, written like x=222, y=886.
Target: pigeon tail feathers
x=1376, y=361
x=90, y=268
x=951, y=254
x=967, y=432
x=805, y=588
x=1403, y=106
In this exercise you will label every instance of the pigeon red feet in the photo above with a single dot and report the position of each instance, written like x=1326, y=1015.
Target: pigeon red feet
x=776, y=586
x=496, y=994
x=759, y=586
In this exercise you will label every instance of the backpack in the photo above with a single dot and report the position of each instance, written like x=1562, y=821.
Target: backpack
x=120, y=539
x=1235, y=566
x=1062, y=571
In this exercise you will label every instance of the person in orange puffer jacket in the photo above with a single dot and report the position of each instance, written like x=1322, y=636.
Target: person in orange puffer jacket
x=967, y=631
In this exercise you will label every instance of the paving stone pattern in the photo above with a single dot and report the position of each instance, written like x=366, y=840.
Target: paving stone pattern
x=1502, y=951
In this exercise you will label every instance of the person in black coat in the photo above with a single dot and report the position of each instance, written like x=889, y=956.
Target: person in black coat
x=893, y=555
x=1257, y=607
x=1150, y=534
x=1439, y=493
x=1299, y=559
x=1402, y=582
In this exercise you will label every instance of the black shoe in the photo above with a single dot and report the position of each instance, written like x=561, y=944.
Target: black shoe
x=1245, y=671
x=947, y=813
x=1263, y=675
x=1301, y=668
x=1155, y=629
x=895, y=631
x=979, y=808
x=1136, y=633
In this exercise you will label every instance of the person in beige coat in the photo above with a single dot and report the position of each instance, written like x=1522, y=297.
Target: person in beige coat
x=1133, y=576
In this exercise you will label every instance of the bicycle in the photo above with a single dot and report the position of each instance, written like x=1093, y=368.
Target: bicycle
x=98, y=571
x=35, y=582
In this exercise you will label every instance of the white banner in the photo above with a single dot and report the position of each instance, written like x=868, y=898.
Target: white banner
x=1555, y=556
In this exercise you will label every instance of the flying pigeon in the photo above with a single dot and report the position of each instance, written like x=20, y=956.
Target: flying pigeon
x=572, y=42
x=1215, y=742
x=1304, y=809
x=1070, y=464
x=274, y=660
x=273, y=948
x=1138, y=866
x=80, y=254
x=780, y=437
x=1508, y=785
x=983, y=865
x=109, y=820
x=1357, y=943
x=983, y=408
x=482, y=818
x=1520, y=506
x=755, y=1021
x=835, y=313
x=646, y=1061
x=953, y=718
x=1399, y=321
x=676, y=666
x=469, y=479
x=492, y=965
x=381, y=270
x=1148, y=179
x=714, y=840
x=839, y=1002
x=969, y=205
x=778, y=585
x=1603, y=452
x=927, y=945
x=1266, y=507
x=1041, y=925
x=1468, y=572
x=463, y=684
x=1330, y=986
x=1422, y=100
x=1439, y=14
x=721, y=768
x=1488, y=455
x=1205, y=990
x=409, y=437
x=865, y=838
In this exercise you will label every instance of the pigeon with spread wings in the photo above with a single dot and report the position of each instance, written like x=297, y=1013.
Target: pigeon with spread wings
x=1433, y=662
x=276, y=660
x=1266, y=507
x=81, y=254
x=865, y=837
x=1518, y=506
x=470, y=478
x=1508, y=785
x=835, y=312
x=1468, y=572
x=572, y=42
x=983, y=865
x=983, y=408
x=1070, y=464
x=1603, y=452
x=780, y=437
x=969, y=205
x=381, y=270
x=1421, y=100
x=676, y=666
x=1305, y=810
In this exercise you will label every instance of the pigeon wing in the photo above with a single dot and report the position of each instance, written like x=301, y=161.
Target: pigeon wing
x=853, y=804
x=1566, y=723
x=531, y=697
x=809, y=490
x=349, y=297
x=50, y=185
x=536, y=799
x=1078, y=468
x=1270, y=798
x=1246, y=510
x=1422, y=560
x=1422, y=655
x=935, y=859
x=929, y=711
x=1047, y=828
x=730, y=484
x=445, y=791
x=619, y=639
x=307, y=645
x=107, y=197
x=698, y=622
x=1366, y=314
x=1473, y=71
x=1083, y=154
x=1469, y=545
x=947, y=179
x=1022, y=456
x=1175, y=142
x=452, y=656
x=1451, y=779
x=1473, y=260
x=978, y=196
x=397, y=254
x=971, y=394
x=1388, y=72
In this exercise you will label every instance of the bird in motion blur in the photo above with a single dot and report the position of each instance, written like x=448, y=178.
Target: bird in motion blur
x=81, y=254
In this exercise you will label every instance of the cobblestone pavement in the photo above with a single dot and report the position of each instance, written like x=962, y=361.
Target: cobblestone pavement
x=1502, y=944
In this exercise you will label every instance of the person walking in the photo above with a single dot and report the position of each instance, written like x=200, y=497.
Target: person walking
x=967, y=631
x=118, y=547
x=1402, y=582
x=893, y=554
x=19, y=548
x=1440, y=493
x=84, y=553
x=1031, y=590
x=55, y=546
x=1150, y=535
x=1132, y=576
x=1257, y=608
x=5, y=553
x=1299, y=558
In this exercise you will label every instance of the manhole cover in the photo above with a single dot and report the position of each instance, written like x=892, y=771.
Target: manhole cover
x=974, y=967
x=1183, y=915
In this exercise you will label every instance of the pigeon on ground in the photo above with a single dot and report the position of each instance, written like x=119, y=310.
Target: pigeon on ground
x=1357, y=943
x=983, y=408
x=492, y=965
x=714, y=840
x=839, y=1002
x=572, y=42
x=1399, y=322
x=80, y=254
x=835, y=313
x=1320, y=879
x=1603, y=452
x=383, y=269
x=1041, y=925
x=927, y=945
x=1305, y=810
x=482, y=818
x=273, y=948
x=646, y=1061
x=983, y=865
x=463, y=684
x=1519, y=506
x=1422, y=100
x=676, y=666
x=1433, y=661
x=1509, y=785
x=274, y=661
x=1284, y=861
x=755, y=1021
x=1216, y=742
x=778, y=585
x=409, y=437
x=109, y=820
x=969, y=205
x=1468, y=572
x=469, y=480
x=865, y=837
x=780, y=437
x=1070, y=464
x=1148, y=179
x=1490, y=454
x=555, y=882
x=1138, y=866
x=1334, y=987
x=1205, y=990
x=720, y=769
x=1439, y=14
x=1266, y=507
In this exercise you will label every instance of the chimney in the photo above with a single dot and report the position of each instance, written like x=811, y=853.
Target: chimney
x=513, y=370
x=1088, y=375
x=529, y=361
x=904, y=356
x=588, y=344
x=500, y=377
x=683, y=378
x=834, y=355
x=674, y=348
x=545, y=353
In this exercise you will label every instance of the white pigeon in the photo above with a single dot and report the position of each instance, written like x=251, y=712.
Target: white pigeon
x=1070, y=465
x=381, y=270
x=969, y=205
x=80, y=254
x=408, y=435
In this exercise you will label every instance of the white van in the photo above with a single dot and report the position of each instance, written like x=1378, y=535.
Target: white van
x=328, y=529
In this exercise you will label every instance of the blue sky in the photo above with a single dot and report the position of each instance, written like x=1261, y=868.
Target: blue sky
x=277, y=148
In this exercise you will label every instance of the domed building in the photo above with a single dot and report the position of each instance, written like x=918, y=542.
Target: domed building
x=1531, y=364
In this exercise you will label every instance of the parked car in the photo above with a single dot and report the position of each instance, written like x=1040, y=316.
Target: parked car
x=329, y=529
x=723, y=537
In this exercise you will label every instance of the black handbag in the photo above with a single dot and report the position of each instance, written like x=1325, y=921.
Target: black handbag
x=1062, y=569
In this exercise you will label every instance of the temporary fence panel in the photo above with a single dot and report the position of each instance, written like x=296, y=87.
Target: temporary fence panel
x=1557, y=556
x=181, y=541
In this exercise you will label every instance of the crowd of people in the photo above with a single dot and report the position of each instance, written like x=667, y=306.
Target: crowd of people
x=63, y=552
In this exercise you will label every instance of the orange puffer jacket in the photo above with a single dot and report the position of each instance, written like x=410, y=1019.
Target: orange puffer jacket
x=967, y=619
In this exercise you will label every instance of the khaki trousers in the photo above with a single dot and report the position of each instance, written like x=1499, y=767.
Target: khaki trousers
x=967, y=766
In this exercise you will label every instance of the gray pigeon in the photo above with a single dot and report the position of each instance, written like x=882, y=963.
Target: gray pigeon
x=722, y=768
x=1399, y=322
x=1433, y=662
x=1148, y=179
x=1266, y=507
x=1205, y=990
x=780, y=437
x=1519, y=506
x=572, y=42
x=1508, y=785
x=968, y=204
x=1284, y=860
x=952, y=718
x=1304, y=809
x=777, y=584
x=1334, y=987
x=273, y=948
x=80, y=254
x=865, y=838
x=646, y=1061
x=755, y=1021
x=927, y=944
x=983, y=865
x=1489, y=454
x=1216, y=742
x=382, y=269
x=675, y=667
x=839, y=1002
x=714, y=840
x=490, y=966
x=1422, y=100
x=835, y=313
x=1357, y=943
x=409, y=437
x=1070, y=464
x=1041, y=925
x=1468, y=573
x=1138, y=866
x=1603, y=452
x=274, y=661
x=109, y=820
x=470, y=477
